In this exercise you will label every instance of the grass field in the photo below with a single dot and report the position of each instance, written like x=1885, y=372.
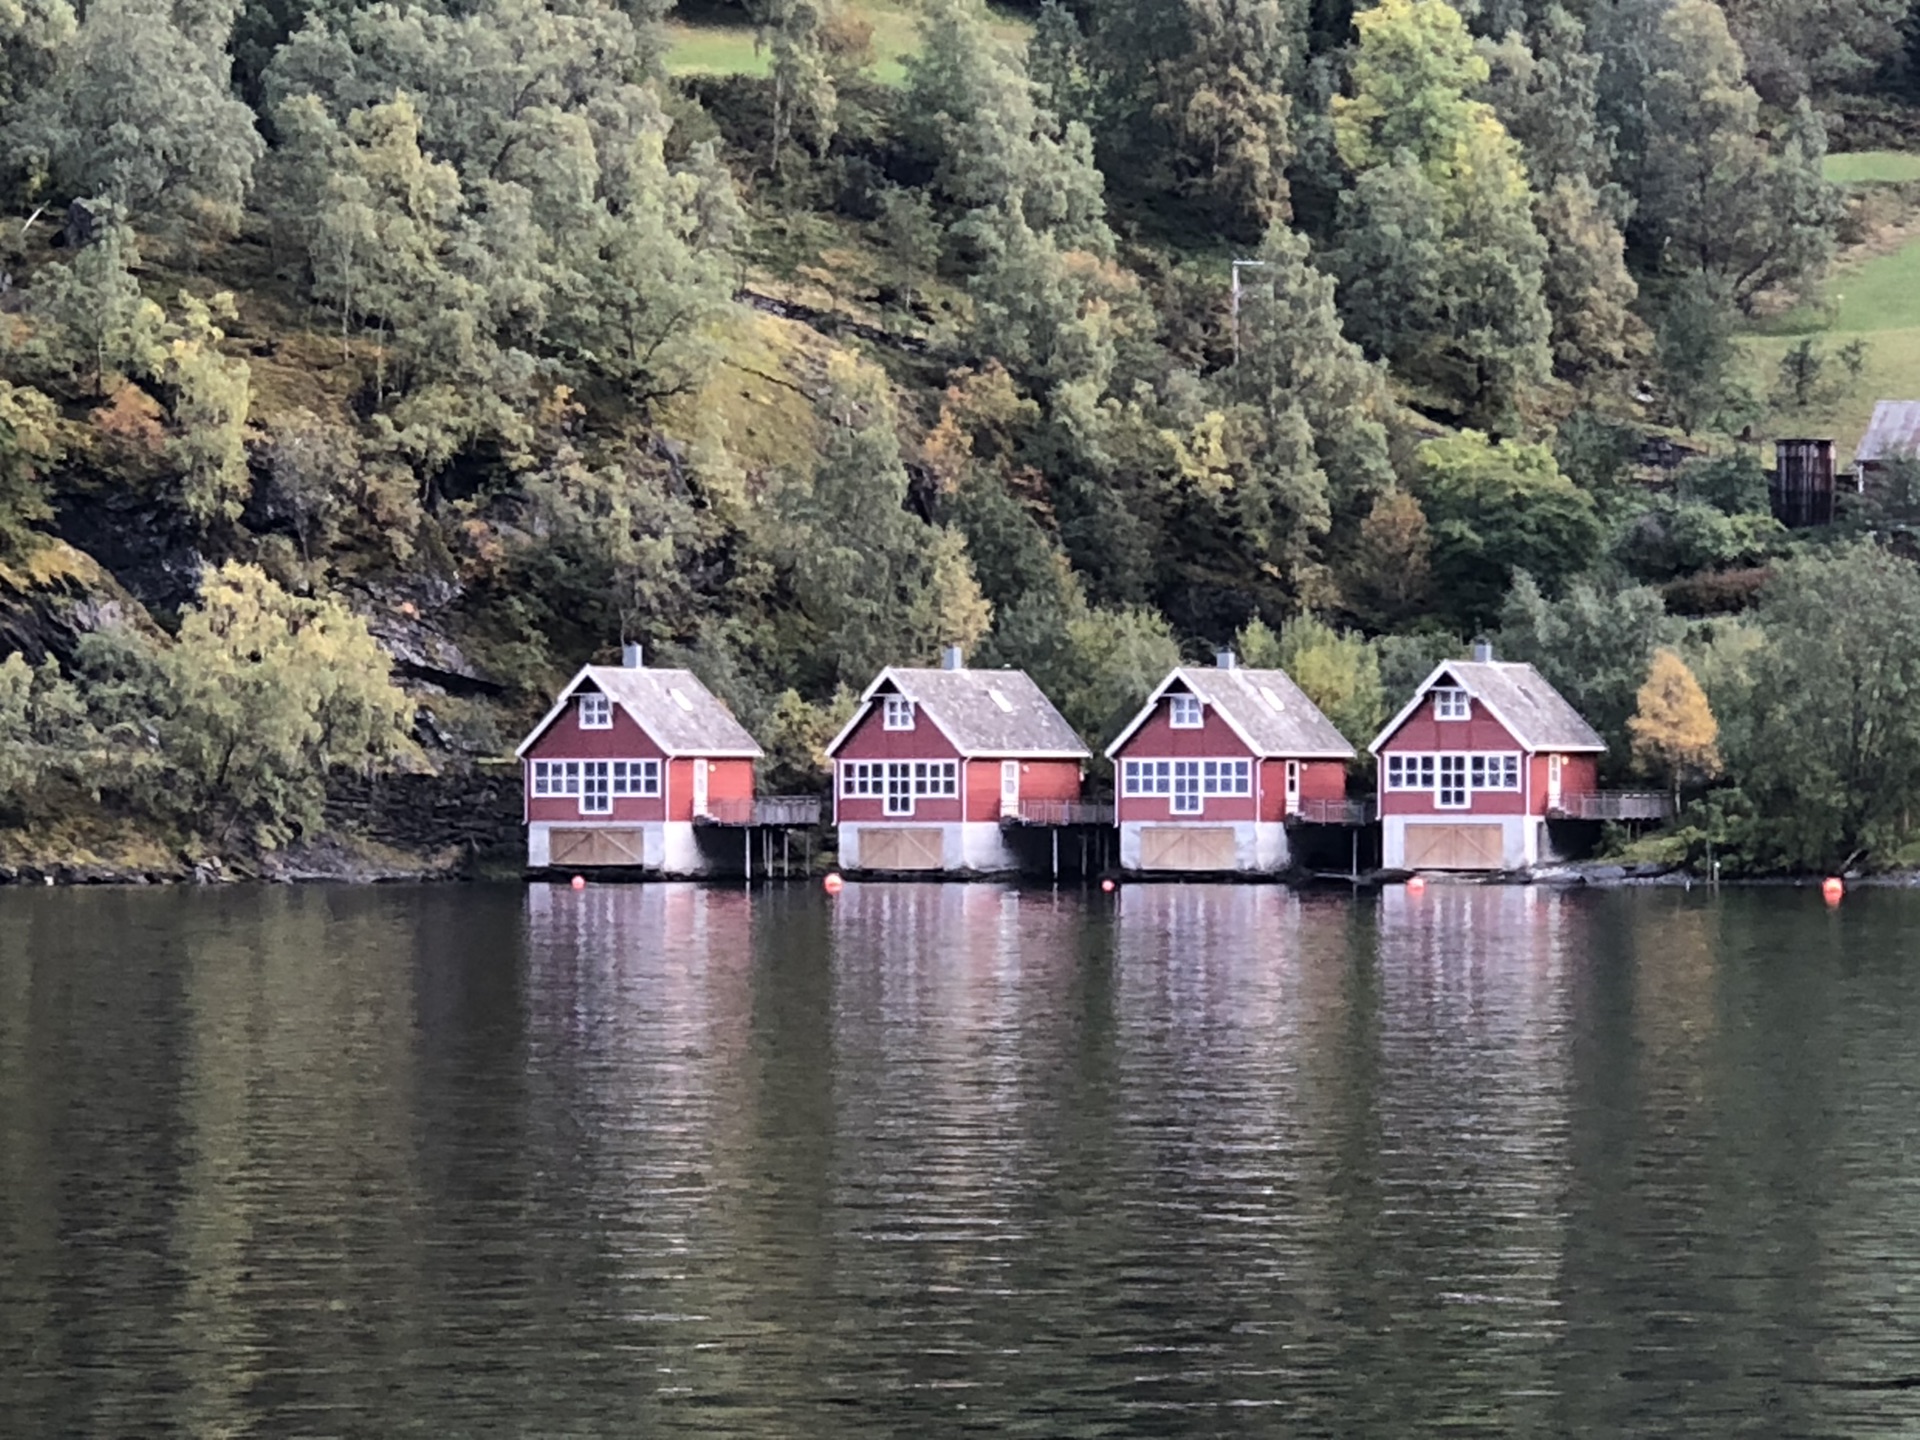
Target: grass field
x=1872, y=167
x=729, y=49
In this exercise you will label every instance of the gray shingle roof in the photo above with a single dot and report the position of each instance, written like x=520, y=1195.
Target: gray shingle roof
x=1520, y=697
x=672, y=706
x=1894, y=430
x=985, y=712
x=1272, y=713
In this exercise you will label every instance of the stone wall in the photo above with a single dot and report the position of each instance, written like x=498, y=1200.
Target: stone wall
x=477, y=810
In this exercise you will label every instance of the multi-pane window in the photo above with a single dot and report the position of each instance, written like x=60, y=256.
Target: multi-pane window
x=596, y=712
x=1146, y=777
x=1184, y=712
x=1226, y=777
x=636, y=777
x=898, y=713
x=899, y=782
x=1186, y=787
x=1452, y=778
x=1451, y=704
x=595, y=783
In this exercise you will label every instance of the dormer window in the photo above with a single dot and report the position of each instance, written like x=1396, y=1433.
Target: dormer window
x=596, y=712
x=1450, y=704
x=898, y=713
x=1185, y=712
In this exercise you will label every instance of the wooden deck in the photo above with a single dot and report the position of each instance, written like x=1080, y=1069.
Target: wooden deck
x=1637, y=805
x=786, y=812
x=1060, y=812
x=1333, y=812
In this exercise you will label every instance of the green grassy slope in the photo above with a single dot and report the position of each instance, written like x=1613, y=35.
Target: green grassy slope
x=729, y=49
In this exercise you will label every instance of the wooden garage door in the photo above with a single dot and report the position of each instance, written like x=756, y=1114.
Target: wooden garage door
x=1455, y=847
x=597, y=847
x=1187, y=847
x=901, y=850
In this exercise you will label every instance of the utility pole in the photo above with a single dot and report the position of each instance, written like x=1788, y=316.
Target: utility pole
x=1236, y=267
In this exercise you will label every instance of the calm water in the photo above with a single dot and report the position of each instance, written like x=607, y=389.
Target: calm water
x=929, y=1160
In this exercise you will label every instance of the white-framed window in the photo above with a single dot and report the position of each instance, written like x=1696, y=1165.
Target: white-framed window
x=1493, y=772
x=1226, y=777
x=1186, y=787
x=596, y=796
x=899, y=782
x=1451, y=792
x=596, y=712
x=1410, y=772
x=636, y=777
x=556, y=779
x=1183, y=713
x=897, y=713
x=1146, y=777
x=1451, y=703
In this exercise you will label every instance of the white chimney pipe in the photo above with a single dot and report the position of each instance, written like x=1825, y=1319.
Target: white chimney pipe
x=631, y=657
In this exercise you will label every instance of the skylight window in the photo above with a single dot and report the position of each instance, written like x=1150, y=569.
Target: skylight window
x=1267, y=694
x=682, y=699
x=1000, y=700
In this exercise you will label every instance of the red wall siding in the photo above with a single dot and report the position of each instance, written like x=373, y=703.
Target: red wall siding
x=980, y=779
x=1158, y=740
x=1579, y=775
x=565, y=740
x=1480, y=732
x=1319, y=780
x=871, y=740
x=1049, y=780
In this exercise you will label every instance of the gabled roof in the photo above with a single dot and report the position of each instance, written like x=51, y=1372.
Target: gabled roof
x=680, y=714
x=1894, y=430
x=1533, y=712
x=983, y=712
x=1270, y=713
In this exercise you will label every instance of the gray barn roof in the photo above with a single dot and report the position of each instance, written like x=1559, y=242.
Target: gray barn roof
x=1536, y=714
x=681, y=715
x=1264, y=707
x=983, y=712
x=1894, y=430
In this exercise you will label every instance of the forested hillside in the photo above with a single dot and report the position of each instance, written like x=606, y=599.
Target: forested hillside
x=471, y=339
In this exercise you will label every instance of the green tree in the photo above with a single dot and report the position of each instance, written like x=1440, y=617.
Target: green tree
x=805, y=99
x=29, y=442
x=1495, y=509
x=1338, y=669
x=1833, y=763
x=211, y=395
x=1714, y=198
x=32, y=35
x=1593, y=645
x=44, y=734
x=1441, y=260
x=91, y=320
x=140, y=111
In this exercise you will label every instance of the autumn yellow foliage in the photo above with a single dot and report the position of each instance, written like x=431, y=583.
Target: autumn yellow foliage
x=1674, y=732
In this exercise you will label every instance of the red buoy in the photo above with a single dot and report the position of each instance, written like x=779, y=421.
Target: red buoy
x=1416, y=884
x=579, y=882
x=1107, y=886
x=1832, y=889
x=832, y=884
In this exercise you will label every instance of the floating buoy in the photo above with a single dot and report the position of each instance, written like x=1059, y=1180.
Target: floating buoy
x=1416, y=884
x=832, y=884
x=579, y=882
x=1832, y=889
x=1106, y=887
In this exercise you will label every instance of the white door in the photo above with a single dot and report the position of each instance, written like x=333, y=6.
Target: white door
x=1293, y=787
x=1010, y=788
x=699, y=787
x=1553, y=782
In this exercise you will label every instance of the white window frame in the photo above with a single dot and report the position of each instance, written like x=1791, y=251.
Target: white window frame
x=1451, y=702
x=596, y=791
x=1410, y=772
x=1226, y=777
x=1143, y=778
x=896, y=713
x=635, y=779
x=1187, y=797
x=862, y=779
x=897, y=797
x=899, y=784
x=596, y=711
x=1184, y=712
x=1450, y=790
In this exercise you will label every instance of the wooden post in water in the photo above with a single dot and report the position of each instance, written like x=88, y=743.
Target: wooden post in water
x=1055, y=831
x=747, y=836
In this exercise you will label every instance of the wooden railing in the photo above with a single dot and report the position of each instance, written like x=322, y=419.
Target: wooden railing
x=1332, y=812
x=1062, y=812
x=1614, y=805
x=791, y=811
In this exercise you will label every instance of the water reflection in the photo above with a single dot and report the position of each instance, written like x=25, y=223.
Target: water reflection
x=1218, y=1160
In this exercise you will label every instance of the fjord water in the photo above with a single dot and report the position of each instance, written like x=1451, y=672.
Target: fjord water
x=947, y=1159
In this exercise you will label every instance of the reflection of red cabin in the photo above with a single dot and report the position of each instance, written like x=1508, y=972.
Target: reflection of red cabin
x=1216, y=763
x=1472, y=767
x=625, y=763
x=934, y=760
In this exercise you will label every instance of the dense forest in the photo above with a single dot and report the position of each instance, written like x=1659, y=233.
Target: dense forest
x=365, y=367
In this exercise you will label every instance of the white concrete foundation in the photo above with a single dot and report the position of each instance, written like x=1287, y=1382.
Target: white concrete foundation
x=976, y=847
x=667, y=847
x=1259, y=847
